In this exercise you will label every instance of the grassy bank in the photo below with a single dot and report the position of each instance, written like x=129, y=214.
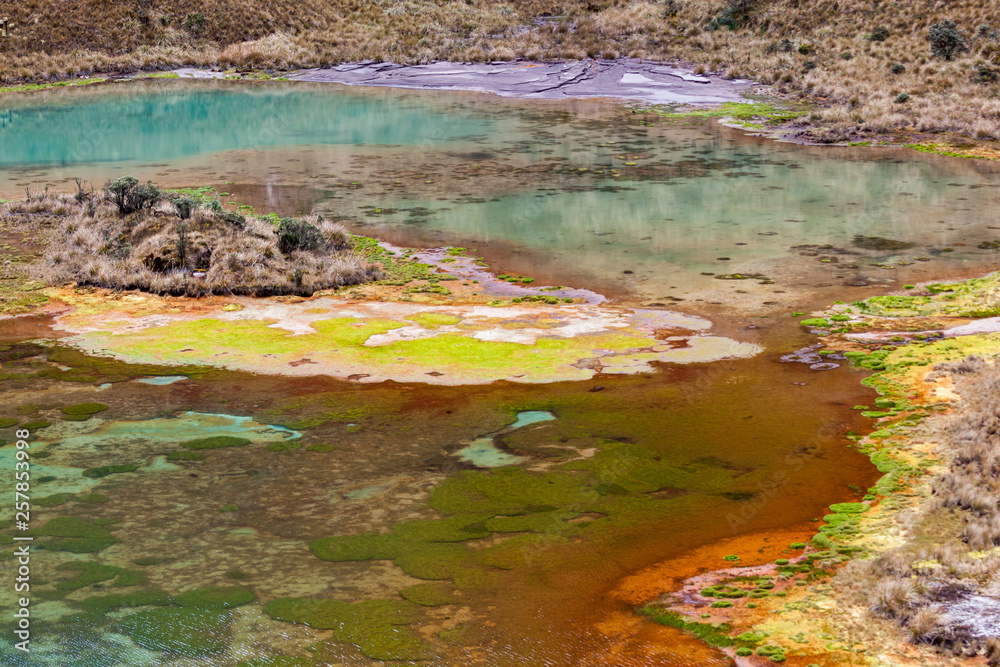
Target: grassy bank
x=131, y=235
x=906, y=574
x=873, y=71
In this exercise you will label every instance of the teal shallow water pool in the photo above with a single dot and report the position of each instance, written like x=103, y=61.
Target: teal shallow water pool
x=171, y=120
x=584, y=194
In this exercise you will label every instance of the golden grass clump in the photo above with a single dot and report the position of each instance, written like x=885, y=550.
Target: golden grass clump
x=279, y=51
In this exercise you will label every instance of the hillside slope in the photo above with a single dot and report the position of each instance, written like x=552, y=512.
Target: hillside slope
x=869, y=66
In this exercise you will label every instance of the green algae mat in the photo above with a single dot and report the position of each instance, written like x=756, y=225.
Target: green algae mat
x=403, y=342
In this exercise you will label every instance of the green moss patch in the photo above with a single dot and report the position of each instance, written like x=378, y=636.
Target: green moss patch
x=433, y=320
x=744, y=113
x=131, y=578
x=104, y=471
x=216, y=442
x=320, y=447
x=423, y=549
x=456, y=528
x=377, y=627
x=507, y=500
x=508, y=491
x=26, y=87
x=286, y=446
x=339, y=343
x=430, y=594
x=714, y=634
x=7, y=422
x=216, y=597
x=513, y=553
x=479, y=579
x=87, y=572
x=849, y=508
x=723, y=592
x=81, y=409
x=537, y=522
x=434, y=560
x=80, y=536
x=367, y=546
x=971, y=298
x=185, y=456
x=54, y=500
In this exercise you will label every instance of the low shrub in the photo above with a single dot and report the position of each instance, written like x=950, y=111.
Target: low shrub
x=184, y=206
x=946, y=40
x=130, y=196
x=297, y=235
x=879, y=34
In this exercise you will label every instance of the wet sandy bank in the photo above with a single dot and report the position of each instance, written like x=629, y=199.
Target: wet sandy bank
x=627, y=79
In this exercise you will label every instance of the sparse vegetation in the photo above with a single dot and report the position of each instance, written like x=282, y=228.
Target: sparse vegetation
x=933, y=583
x=131, y=237
x=798, y=48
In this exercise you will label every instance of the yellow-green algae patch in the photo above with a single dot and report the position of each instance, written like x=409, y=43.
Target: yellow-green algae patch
x=433, y=320
x=373, y=341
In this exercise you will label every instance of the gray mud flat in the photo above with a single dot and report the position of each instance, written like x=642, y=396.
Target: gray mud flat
x=624, y=79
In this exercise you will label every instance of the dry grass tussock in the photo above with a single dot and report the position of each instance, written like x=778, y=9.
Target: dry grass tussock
x=132, y=236
x=871, y=66
x=946, y=579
